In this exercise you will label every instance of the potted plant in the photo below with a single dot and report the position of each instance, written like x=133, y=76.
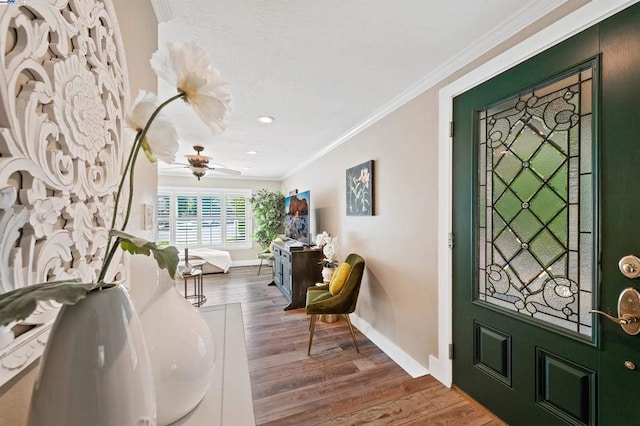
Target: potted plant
x=268, y=210
x=329, y=246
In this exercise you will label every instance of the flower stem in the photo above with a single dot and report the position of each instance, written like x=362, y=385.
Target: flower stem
x=119, y=193
x=129, y=168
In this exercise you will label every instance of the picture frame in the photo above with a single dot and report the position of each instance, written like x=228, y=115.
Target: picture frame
x=360, y=190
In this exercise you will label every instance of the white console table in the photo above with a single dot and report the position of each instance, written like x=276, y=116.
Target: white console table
x=228, y=401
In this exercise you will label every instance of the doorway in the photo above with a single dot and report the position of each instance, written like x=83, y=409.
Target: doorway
x=543, y=156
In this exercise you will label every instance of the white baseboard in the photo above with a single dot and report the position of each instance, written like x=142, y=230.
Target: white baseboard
x=406, y=362
x=441, y=371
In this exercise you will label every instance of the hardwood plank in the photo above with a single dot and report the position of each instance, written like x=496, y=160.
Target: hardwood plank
x=462, y=413
x=381, y=394
x=303, y=379
x=318, y=392
x=335, y=385
x=390, y=412
x=305, y=413
x=299, y=363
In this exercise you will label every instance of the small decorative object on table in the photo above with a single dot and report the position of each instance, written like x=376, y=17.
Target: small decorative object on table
x=329, y=247
x=186, y=267
x=95, y=368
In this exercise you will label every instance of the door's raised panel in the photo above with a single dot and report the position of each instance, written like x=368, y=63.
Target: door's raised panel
x=492, y=349
x=565, y=388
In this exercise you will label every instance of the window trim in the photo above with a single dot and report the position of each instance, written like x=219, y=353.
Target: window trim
x=173, y=192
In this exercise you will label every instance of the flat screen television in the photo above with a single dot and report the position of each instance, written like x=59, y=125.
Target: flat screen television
x=297, y=219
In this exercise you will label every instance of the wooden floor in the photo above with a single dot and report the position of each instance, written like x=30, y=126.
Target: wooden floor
x=335, y=385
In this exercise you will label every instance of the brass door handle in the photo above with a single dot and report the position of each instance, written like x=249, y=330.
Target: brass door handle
x=625, y=319
x=628, y=311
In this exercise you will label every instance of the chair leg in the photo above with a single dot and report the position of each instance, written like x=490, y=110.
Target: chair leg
x=353, y=335
x=260, y=267
x=312, y=329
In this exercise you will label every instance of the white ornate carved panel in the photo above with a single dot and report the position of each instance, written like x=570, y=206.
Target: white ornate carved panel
x=63, y=89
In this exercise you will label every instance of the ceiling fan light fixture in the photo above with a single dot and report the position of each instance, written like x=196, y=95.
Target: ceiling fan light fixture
x=199, y=164
x=197, y=160
x=198, y=171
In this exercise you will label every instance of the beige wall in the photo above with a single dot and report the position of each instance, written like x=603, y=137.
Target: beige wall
x=399, y=243
x=138, y=27
x=399, y=292
x=243, y=256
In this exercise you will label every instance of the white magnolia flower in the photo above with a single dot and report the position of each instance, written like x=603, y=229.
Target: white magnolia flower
x=188, y=67
x=161, y=141
x=329, y=251
x=322, y=239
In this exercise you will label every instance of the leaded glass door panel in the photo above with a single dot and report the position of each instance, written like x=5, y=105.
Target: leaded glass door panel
x=546, y=169
x=536, y=202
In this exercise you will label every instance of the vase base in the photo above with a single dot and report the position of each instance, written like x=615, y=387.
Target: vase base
x=329, y=317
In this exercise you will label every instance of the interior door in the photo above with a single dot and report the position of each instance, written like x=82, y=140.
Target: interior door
x=545, y=204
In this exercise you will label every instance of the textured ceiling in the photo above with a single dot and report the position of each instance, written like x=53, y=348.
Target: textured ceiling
x=324, y=69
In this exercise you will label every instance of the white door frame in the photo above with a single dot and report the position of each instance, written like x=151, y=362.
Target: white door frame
x=593, y=12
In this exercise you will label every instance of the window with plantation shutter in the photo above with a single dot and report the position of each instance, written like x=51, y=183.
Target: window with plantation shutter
x=204, y=218
x=186, y=220
x=236, y=218
x=211, y=219
x=164, y=220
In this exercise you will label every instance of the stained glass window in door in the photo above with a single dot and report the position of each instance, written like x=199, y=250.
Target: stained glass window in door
x=536, y=203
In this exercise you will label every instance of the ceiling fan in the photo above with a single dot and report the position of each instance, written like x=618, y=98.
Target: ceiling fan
x=199, y=164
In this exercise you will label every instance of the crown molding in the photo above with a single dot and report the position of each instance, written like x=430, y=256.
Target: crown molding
x=162, y=9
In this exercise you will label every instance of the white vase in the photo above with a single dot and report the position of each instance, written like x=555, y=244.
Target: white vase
x=95, y=368
x=327, y=273
x=181, y=350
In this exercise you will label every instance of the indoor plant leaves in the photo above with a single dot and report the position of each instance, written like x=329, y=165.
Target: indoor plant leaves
x=18, y=304
x=166, y=257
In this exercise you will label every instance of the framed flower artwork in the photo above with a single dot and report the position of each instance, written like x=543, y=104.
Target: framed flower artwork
x=360, y=190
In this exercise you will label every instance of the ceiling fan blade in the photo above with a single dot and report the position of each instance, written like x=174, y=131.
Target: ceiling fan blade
x=173, y=166
x=226, y=171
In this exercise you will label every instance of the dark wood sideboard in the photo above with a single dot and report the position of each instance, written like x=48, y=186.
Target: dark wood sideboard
x=294, y=271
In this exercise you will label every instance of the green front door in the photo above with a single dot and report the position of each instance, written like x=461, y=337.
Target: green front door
x=546, y=201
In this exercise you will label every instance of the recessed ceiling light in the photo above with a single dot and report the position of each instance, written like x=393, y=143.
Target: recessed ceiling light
x=266, y=119
x=246, y=168
x=252, y=152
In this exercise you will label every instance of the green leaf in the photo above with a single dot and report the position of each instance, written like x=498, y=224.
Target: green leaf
x=18, y=304
x=166, y=256
x=268, y=210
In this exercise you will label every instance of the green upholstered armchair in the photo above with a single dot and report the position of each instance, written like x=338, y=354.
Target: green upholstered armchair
x=321, y=301
x=268, y=254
